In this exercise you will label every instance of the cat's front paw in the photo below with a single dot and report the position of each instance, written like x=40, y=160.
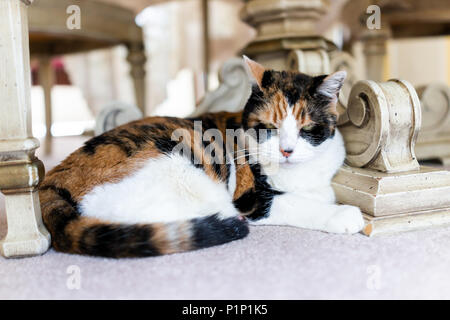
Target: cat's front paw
x=347, y=219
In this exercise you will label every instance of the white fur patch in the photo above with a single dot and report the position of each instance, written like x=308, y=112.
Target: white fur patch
x=232, y=178
x=308, y=200
x=313, y=175
x=168, y=188
x=288, y=131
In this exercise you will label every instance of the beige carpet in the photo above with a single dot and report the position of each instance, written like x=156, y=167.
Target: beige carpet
x=272, y=263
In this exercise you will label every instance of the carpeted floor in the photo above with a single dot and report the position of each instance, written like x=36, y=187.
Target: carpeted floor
x=271, y=263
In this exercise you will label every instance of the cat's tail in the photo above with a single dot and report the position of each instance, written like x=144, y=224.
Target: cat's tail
x=74, y=233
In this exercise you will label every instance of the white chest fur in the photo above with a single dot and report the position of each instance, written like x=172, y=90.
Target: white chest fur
x=312, y=177
x=308, y=201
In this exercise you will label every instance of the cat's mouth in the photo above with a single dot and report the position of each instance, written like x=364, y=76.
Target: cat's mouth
x=289, y=162
x=292, y=161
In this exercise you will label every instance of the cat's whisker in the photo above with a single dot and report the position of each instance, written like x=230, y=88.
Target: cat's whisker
x=246, y=149
x=244, y=156
x=255, y=149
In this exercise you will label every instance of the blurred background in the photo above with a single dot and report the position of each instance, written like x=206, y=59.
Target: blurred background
x=183, y=62
x=176, y=77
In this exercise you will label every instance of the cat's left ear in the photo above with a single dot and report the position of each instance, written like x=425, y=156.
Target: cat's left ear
x=331, y=85
x=256, y=70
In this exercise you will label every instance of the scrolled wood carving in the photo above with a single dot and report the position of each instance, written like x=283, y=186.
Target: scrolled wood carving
x=116, y=114
x=233, y=92
x=384, y=121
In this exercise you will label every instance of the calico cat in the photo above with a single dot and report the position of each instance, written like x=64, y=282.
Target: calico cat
x=162, y=185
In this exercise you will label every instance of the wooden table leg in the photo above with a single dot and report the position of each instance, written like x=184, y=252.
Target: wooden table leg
x=375, y=52
x=136, y=58
x=20, y=170
x=46, y=81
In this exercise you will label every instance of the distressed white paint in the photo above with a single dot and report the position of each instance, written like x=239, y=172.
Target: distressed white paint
x=26, y=233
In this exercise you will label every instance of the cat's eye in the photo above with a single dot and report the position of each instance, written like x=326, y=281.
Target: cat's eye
x=308, y=128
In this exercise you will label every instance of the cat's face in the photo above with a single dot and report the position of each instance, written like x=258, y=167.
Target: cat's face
x=298, y=112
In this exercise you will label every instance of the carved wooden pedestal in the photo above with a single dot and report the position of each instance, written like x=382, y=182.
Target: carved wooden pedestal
x=20, y=170
x=382, y=175
x=287, y=36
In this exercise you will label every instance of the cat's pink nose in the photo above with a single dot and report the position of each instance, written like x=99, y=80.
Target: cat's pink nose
x=286, y=153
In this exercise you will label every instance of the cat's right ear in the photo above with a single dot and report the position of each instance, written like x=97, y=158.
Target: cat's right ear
x=256, y=70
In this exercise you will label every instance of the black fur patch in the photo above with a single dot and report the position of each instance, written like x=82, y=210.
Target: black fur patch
x=258, y=200
x=62, y=192
x=319, y=134
x=218, y=169
x=105, y=139
x=255, y=101
x=58, y=218
x=264, y=194
x=232, y=124
x=267, y=79
x=211, y=231
x=117, y=241
x=57, y=221
x=246, y=202
x=152, y=128
x=138, y=139
x=208, y=122
x=164, y=144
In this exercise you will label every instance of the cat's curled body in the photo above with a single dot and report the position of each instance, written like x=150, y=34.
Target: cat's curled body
x=130, y=192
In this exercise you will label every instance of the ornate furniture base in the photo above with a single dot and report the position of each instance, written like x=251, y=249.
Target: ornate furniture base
x=20, y=170
x=383, y=177
x=394, y=202
x=406, y=222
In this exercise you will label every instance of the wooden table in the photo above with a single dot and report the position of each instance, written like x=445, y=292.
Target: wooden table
x=53, y=31
x=102, y=25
